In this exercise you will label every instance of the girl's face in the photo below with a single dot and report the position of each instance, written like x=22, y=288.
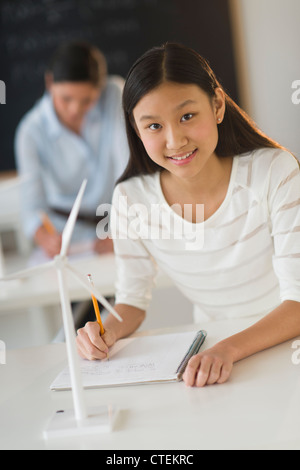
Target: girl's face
x=177, y=124
x=72, y=101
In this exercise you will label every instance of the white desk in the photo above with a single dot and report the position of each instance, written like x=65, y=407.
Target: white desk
x=259, y=408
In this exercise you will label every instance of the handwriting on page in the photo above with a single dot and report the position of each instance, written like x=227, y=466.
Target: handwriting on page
x=122, y=362
x=128, y=360
x=106, y=368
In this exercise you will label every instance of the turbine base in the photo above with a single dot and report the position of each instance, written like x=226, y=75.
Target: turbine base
x=64, y=424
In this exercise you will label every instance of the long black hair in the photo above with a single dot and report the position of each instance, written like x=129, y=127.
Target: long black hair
x=176, y=63
x=78, y=61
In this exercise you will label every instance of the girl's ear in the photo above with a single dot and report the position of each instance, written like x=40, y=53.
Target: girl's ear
x=219, y=104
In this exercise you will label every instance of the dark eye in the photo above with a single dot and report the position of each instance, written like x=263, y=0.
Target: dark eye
x=154, y=126
x=187, y=117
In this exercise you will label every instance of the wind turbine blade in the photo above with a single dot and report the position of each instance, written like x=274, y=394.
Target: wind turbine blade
x=28, y=272
x=69, y=228
x=92, y=290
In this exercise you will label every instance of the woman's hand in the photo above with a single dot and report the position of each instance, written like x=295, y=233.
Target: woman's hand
x=212, y=366
x=91, y=345
x=102, y=247
x=50, y=243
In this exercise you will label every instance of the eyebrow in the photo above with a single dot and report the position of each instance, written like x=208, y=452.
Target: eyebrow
x=147, y=117
x=182, y=105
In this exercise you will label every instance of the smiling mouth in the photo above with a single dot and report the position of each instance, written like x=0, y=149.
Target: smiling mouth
x=182, y=156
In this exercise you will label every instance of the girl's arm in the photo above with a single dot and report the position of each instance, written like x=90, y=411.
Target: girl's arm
x=215, y=364
x=92, y=346
x=281, y=192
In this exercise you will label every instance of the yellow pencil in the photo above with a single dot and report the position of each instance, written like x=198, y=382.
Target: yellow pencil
x=47, y=224
x=96, y=308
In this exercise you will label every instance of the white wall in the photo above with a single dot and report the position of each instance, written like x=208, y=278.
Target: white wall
x=267, y=36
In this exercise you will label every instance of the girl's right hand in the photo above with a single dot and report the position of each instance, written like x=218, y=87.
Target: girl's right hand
x=91, y=345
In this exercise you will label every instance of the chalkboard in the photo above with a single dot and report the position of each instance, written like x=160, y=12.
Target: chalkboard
x=30, y=30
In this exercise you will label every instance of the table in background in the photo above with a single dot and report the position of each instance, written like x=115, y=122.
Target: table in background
x=258, y=408
x=30, y=312
x=42, y=290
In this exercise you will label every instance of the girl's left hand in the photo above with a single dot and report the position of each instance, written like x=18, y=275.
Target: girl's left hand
x=212, y=366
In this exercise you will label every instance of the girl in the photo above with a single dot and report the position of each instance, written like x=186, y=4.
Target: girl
x=192, y=145
x=74, y=131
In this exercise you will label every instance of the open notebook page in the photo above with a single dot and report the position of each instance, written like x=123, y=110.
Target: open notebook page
x=134, y=360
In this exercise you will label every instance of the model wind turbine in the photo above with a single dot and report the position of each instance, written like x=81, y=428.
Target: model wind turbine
x=76, y=421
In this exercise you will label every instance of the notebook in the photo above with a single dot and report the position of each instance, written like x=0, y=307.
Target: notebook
x=138, y=360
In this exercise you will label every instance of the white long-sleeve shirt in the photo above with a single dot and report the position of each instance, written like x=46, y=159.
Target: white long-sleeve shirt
x=243, y=260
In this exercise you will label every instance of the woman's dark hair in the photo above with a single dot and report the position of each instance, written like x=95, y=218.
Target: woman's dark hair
x=78, y=62
x=179, y=64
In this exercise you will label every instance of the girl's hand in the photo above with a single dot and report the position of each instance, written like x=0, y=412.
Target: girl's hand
x=212, y=366
x=91, y=345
